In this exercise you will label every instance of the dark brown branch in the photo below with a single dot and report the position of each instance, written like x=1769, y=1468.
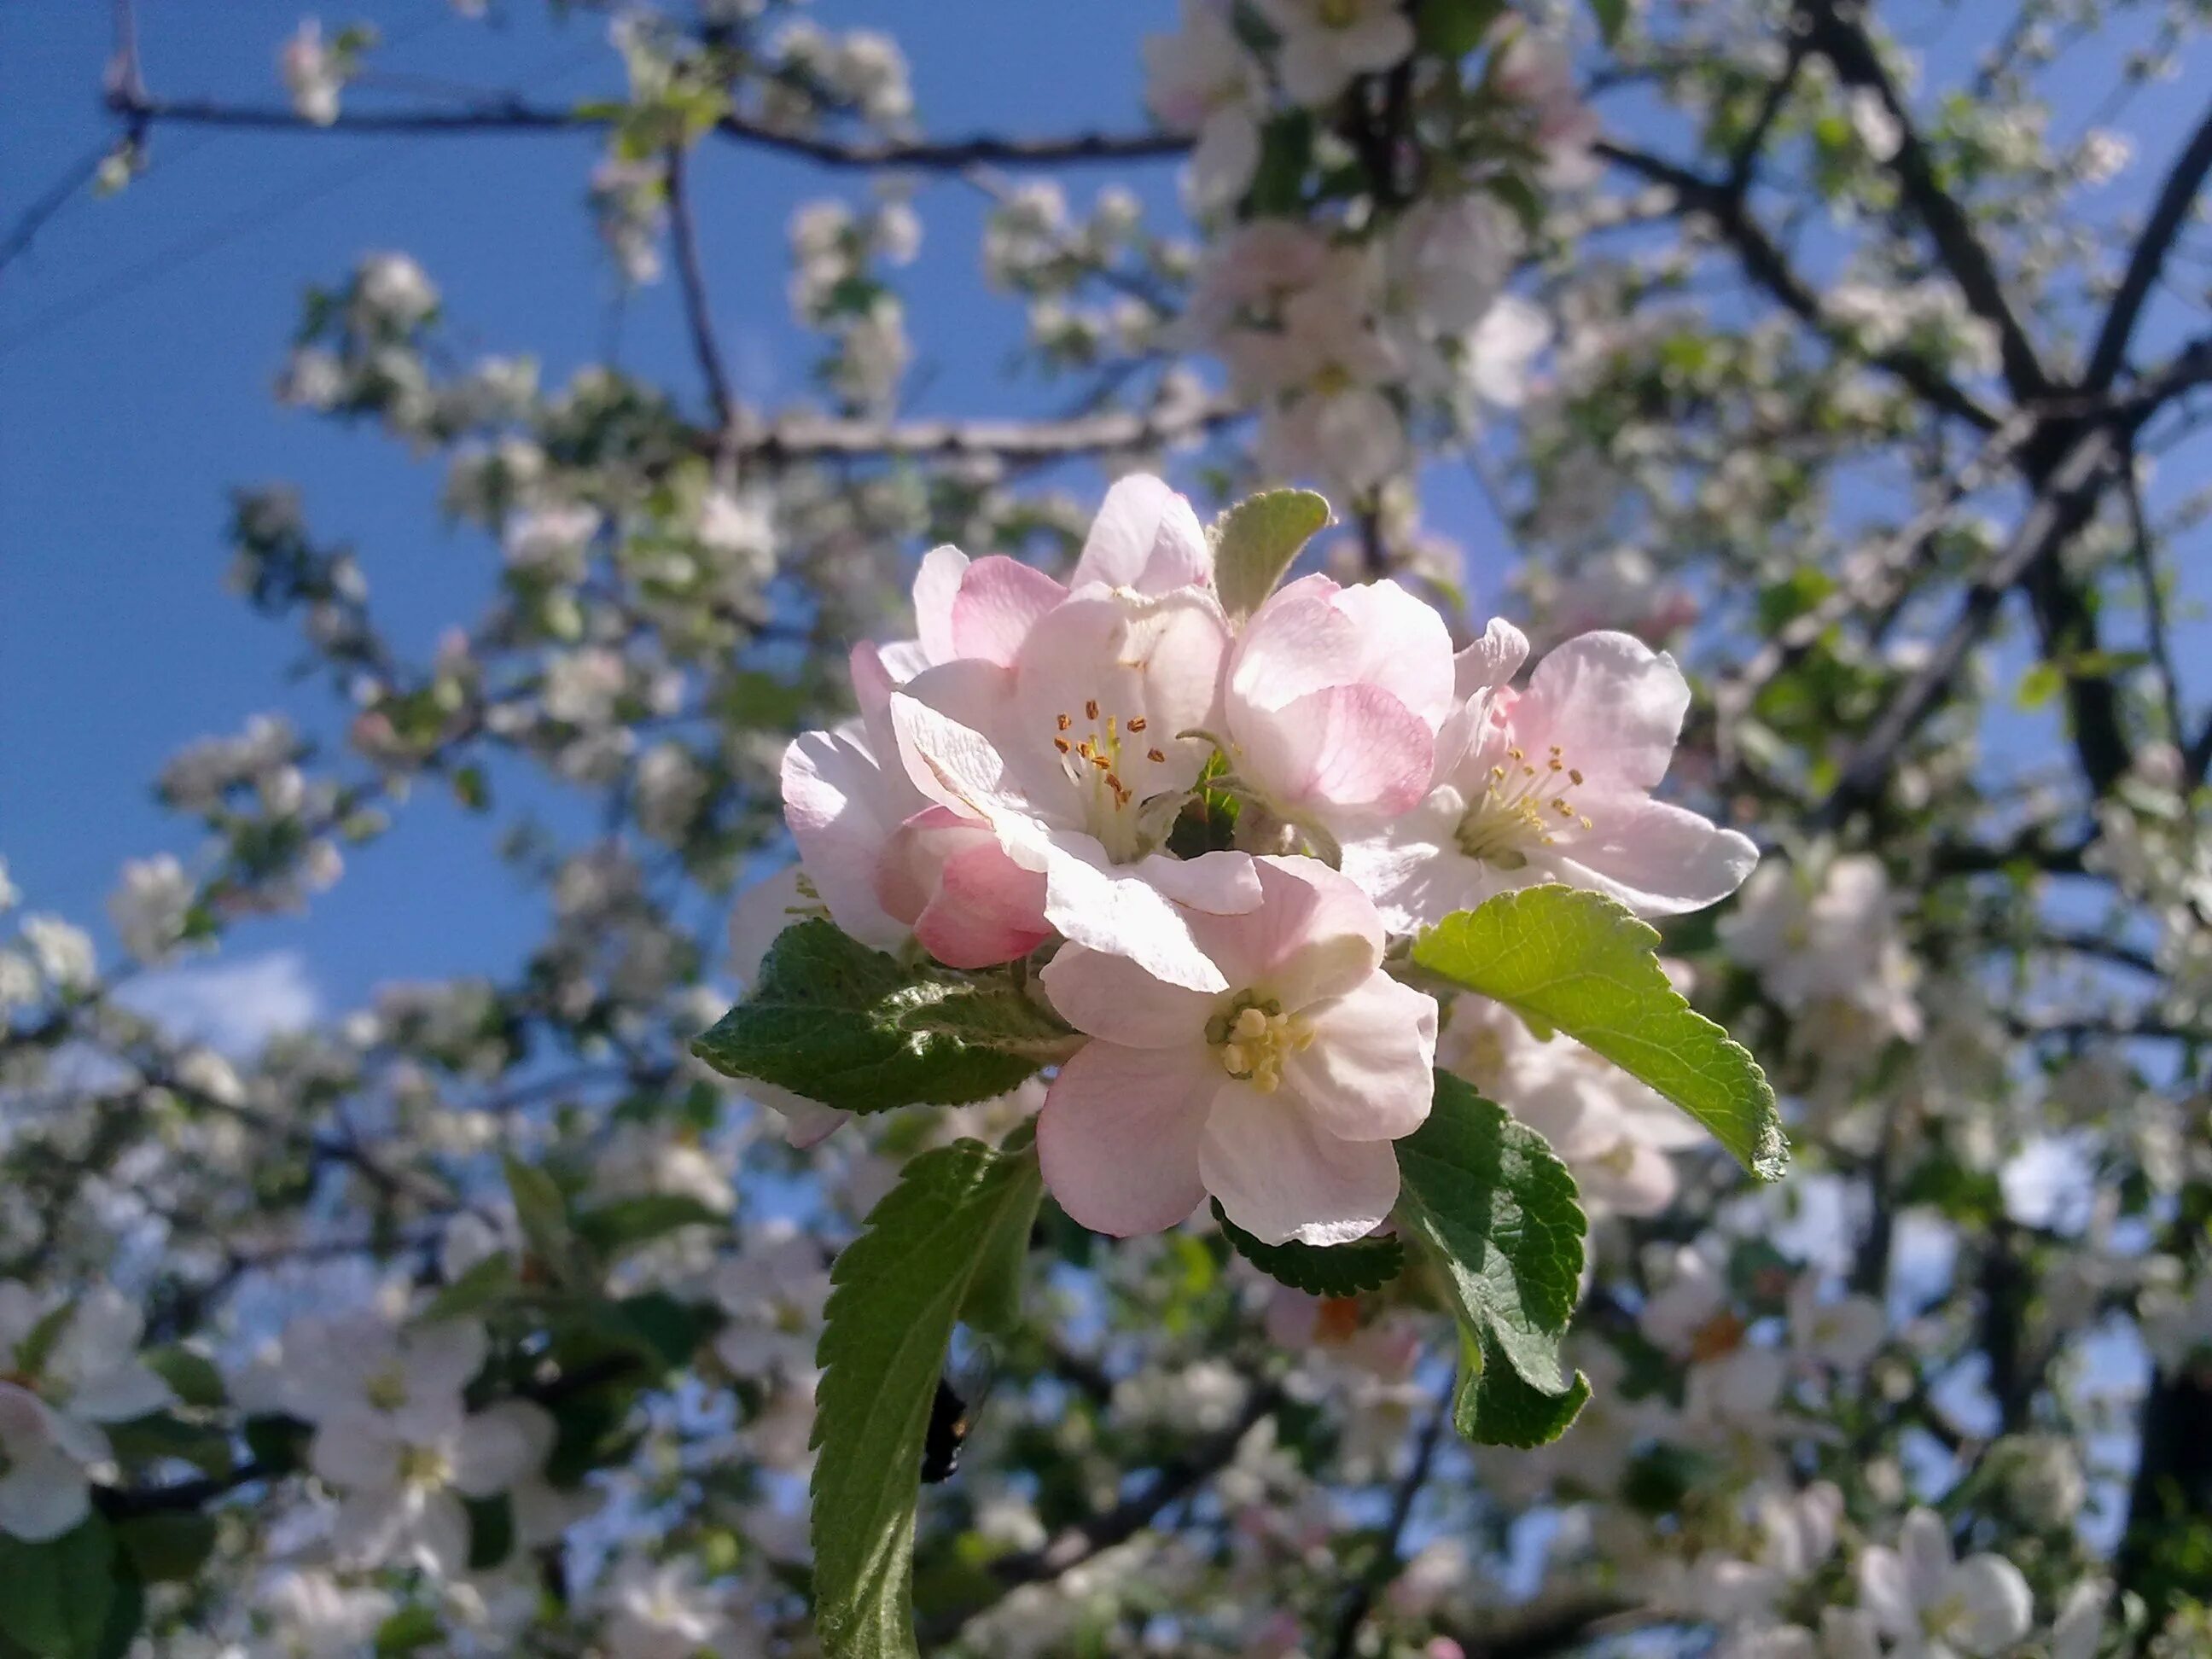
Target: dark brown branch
x=1764, y=261
x=692, y=278
x=1384, y=1567
x=1836, y=35
x=514, y=115
x=2062, y=508
x=2176, y=198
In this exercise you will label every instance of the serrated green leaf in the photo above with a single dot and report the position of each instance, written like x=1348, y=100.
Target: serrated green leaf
x=897, y=1292
x=1492, y=1405
x=832, y=1020
x=1255, y=540
x=994, y=1302
x=168, y=1549
x=1498, y=1212
x=1338, y=1270
x=1579, y=963
x=55, y=1595
x=626, y=1222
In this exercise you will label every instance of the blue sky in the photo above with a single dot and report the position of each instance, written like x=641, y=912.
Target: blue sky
x=128, y=409
x=139, y=338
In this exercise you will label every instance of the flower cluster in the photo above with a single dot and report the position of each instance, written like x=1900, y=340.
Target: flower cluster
x=1046, y=769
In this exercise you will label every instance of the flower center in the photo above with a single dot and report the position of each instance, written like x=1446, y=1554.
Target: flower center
x=1522, y=807
x=425, y=1466
x=386, y=1391
x=1339, y=14
x=1106, y=759
x=1256, y=1038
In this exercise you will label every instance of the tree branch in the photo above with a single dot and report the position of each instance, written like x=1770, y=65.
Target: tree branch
x=512, y=115
x=794, y=437
x=2176, y=198
x=1384, y=1567
x=1766, y=264
x=1844, y=44
x=692, y=278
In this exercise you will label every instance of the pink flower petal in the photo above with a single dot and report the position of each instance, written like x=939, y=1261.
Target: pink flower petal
x=1612, y=703
x=1112, y=999
x=988, y=909
x=999, y=602
x=1278, y=1177
x=833, y=799
x=1146, y=536
x=1367, y=1073
x=1354, y=750
x=1118, y=1136
x=1657, y=859
x=1313, y=935
x=936, y=585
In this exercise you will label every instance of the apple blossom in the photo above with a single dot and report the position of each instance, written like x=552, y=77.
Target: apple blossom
x=1932, y=1605
x=1279, y=1094
x=1203, y=81
x=401, y=1480
x=1554, y=784
x=1328, y=43
x=1078, y=753
x=1332, y=699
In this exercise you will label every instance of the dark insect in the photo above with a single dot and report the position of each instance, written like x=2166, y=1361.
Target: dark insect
x=948, y=1429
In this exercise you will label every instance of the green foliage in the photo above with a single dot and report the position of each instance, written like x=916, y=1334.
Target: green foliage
x=1255, y=540
x=68, y=1597
x=1453, y=28
x=625, y=1224
x=1499, y=1213
x=1579, y=963
x=897, y=1290
x=1338, y=1270
x=167, y=1548
x=853, y=1028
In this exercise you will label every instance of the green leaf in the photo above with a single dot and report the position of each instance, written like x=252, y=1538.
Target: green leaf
x=491, y=1531
x=832, y=1020
x=1453, y=28
x=627, y=1223
x=994, y=1302
x=1494, y=1405
x=1498, y=1212
x=1611, y=17
x=1337, y=1270
x=542, y=1214
x=408, y=1630
x=193, y=1378
x=1579, y=963
x=56, y=1596
x=167, y=1548
x=1255, y=540
x=896, y=1293
x=490, y=1280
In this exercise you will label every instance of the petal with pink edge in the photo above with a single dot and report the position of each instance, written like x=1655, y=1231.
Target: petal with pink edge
x=1118, y=1136
x=1351, y=750
x=1367, y=1075
x=999, y=602
x=1314, y=935
x=832, y=795
x=936, y=585
x=1279, y=1176
x=1146, y=536
x=987, y=909
x=1612, y=703
x=1657, y=859
x=1112, y=999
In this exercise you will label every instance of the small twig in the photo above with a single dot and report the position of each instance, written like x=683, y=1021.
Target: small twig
x=1360, y=1598
x=691, y=277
